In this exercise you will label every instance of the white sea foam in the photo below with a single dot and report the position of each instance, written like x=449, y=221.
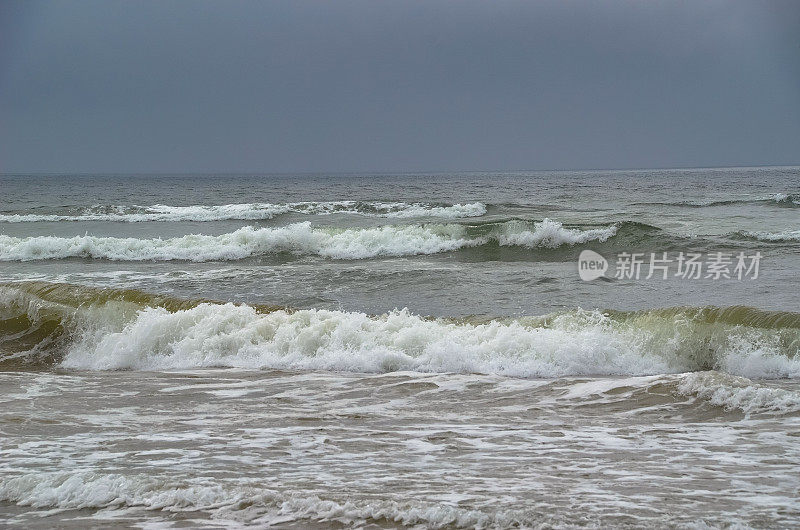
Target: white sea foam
x=474, y=209
x=578, y=343
x=731, y=392
x=242, y=503
x=254, y=211
x=238, y=336
x=785, y=198
x=721, y=389
x=551, y=234
x=160, y=212
x=299, y=238
x=93, y=490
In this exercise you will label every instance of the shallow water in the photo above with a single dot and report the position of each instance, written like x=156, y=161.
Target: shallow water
x=393, y=449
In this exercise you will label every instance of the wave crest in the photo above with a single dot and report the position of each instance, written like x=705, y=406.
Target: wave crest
x=117, y=332
x=776, y=199
x=254, y=211
x=299, y=238
x=788, y=236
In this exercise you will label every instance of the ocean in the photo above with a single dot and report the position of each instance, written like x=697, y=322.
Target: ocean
x=401, y=350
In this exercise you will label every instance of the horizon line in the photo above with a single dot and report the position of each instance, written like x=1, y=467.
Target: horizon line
x=382, y=172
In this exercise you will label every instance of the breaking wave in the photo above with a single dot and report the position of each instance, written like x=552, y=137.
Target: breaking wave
x=304, y=239
x=77, y=327
x=253, y=211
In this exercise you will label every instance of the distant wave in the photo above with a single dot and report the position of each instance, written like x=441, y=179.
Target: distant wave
x=305, y=239
x=101, y=329
x=787, y=236
x=254, y=211
x=785, y=198
x=779, y=199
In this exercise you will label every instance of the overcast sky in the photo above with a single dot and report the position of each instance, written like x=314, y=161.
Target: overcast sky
x=324, y=86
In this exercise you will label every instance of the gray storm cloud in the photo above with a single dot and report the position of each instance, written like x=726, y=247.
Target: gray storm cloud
x=369, y=85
